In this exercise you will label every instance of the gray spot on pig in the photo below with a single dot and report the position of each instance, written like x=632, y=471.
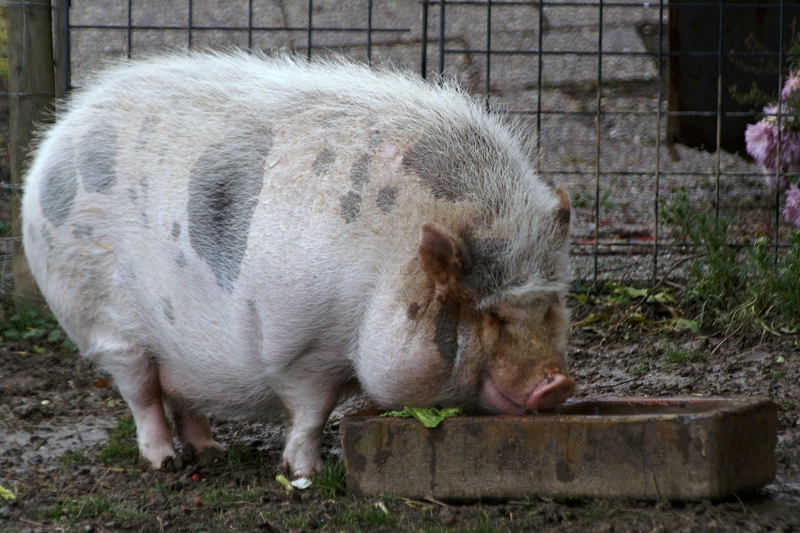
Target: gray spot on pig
x=434, y=159
x=169, y=312
x=387, y=197
x=47, y=236
x=133, y=195
x=57, y=194
x=163, y=152
x=82, y=231
x=97, y=160
x=454, y=164
x=483, y=269
x=176, y=230
x=324, y=162
x=30, y=231
x=446, y=335
x=146, y=132
x=351, y=206
x=359, y=174
x=127, y=274
x=223, y=193
x=254, y=335
x=376, y=136
x=412, y=311
x=181, y=261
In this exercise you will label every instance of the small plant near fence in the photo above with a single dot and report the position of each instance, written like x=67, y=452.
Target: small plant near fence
x=734, y=287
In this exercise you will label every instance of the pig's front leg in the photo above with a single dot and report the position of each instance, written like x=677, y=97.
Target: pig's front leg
x=310, y=401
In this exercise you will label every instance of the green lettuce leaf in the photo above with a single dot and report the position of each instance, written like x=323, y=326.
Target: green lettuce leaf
x=430, y=417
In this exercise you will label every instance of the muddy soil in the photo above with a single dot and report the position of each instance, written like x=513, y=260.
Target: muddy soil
x=70, y=462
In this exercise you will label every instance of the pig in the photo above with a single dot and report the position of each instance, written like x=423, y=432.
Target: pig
x=234, y=234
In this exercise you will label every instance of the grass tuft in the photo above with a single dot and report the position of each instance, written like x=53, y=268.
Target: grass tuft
x=364, y=517
x=121, y=446
x=73, y=458
x=332, y=480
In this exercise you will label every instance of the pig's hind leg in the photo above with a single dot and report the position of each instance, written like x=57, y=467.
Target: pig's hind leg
x=135, y=373
x=194, y=433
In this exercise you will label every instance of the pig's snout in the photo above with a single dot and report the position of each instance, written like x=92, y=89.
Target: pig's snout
x=551, y=393
x=546, y=395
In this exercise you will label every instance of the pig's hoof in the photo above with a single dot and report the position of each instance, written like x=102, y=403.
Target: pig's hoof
x=170, y=464
x=302, y=470
x=205, y=456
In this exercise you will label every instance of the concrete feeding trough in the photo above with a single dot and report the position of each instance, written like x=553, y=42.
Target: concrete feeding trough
x=649, y=448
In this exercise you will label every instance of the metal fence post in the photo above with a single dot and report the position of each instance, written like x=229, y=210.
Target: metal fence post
x=31, y=88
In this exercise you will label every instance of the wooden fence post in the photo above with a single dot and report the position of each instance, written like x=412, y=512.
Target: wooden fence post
x=31, y=88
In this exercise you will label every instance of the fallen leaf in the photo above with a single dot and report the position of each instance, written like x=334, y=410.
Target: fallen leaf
x=6, y=494
x=280, y=478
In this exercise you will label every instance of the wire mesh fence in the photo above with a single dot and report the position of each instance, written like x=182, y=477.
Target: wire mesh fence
x=626, y=101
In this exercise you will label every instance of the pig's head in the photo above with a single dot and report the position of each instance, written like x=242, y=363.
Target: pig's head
x=485, y=326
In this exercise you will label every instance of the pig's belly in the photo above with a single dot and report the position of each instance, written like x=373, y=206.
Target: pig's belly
x=218, y=388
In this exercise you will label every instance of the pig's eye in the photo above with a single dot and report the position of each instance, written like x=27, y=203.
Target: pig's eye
x=490, y=330
x=497, y=319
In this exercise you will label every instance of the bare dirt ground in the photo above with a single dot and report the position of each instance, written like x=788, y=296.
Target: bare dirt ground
x=68, y=455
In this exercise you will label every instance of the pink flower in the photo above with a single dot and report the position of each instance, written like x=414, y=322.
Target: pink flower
x=792, y=86
x=761, y=143
x=790, y=150
x=791, y=210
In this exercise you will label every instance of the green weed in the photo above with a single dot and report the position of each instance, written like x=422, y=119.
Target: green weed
x=605, y=203
x=735, y=285
x=240, y=457
x=581, y=200
x=222, y=497
x=72, y=458
x=641, y=366
x=368, y=517
x=584, y=200
x=93, y=506
x=297, y=521
x=28, y=323
x=487, y=525
x=90, y=507
x=121, y=445
x=163, y=488
x=129, y=514
x=332, y=480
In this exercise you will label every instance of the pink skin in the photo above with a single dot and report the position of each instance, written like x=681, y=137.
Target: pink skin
x=547, y=395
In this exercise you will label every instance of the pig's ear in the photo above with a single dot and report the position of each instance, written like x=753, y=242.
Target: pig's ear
x=563, y=212
x=439, y=257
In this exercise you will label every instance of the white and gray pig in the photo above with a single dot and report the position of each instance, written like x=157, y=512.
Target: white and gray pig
x=238, y=235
